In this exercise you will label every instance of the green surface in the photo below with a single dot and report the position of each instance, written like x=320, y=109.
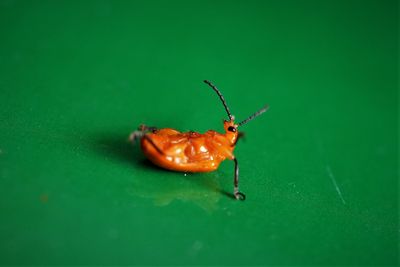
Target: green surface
x=319, y=169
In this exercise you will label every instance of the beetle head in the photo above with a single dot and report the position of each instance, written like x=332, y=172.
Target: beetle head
x=230, y=126
x=231, y=131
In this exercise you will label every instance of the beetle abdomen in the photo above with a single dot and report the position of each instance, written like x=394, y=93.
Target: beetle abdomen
x=179, y=152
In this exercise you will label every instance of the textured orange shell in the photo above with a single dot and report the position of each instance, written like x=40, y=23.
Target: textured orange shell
x=189, y=151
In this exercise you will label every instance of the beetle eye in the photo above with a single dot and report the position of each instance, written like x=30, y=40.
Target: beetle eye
x=231, y=129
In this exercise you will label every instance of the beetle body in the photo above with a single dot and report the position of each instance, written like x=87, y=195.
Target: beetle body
x=192, y=151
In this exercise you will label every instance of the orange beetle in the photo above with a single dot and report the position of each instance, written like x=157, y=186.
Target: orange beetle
x=191, y=151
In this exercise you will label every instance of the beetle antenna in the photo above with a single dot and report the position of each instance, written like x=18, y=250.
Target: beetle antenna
x=258, y=113
x=222, y=99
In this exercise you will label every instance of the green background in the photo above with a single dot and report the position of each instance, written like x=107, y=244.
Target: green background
x=319, y=169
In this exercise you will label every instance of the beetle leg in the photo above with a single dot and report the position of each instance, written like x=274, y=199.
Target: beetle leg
x=136, y=135
x=140, y=132
x=159, y=150
x=238, y=195
x=145, y=128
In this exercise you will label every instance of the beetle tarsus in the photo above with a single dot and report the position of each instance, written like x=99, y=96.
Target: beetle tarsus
x=136, y=135
x=240, y=196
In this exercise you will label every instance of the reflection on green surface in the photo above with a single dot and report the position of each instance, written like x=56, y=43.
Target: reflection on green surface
x=203, y=193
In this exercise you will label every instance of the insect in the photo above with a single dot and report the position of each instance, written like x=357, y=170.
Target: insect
x=192, y=151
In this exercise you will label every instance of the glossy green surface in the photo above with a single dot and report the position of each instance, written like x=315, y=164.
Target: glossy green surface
x=319, y=169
